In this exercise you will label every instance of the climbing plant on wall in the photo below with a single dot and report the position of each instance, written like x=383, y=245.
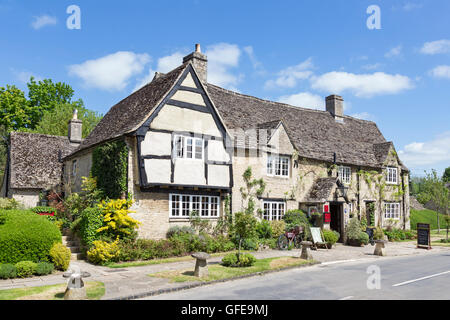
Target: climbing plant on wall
x=109, y=166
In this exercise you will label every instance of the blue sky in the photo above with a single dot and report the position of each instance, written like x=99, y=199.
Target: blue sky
x=291, y=51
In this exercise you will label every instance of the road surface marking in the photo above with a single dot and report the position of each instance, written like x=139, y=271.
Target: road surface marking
x=338, y=261
x=420, y=279
x=346, y=298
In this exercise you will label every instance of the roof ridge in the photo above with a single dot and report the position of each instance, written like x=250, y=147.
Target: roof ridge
x=282, y=104
x=39, y=134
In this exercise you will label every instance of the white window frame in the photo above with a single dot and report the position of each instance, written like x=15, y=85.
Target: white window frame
x=274, y=163
x=392, y=175
x=345, y=174
x=74, y=168
x=184, y=147
x=185, y=205
x=276, y=210
x=392, y=210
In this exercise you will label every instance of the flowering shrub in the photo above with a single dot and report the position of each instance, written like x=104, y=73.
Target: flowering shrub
x=116, y=218
x=60, y=255
x=102, y=251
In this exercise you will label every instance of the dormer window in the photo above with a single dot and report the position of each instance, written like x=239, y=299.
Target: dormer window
x=345, y=174
x=188, y=147
x=278, y=166
x=392, y=175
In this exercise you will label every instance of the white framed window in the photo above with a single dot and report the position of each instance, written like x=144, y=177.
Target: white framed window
x=345, y=174
x=74, y=168
x=392, y=210
x=391, y=175
x=278, y=166
x=188, y=147
x=182, y=205
x=273, y=210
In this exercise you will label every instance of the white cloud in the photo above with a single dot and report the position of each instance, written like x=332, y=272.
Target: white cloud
x=42, y=21
x=441, y=72
x=427, y=153
x=363, y=116
x=144, y=80
x=110, y=72
x=257, y=65
x=435, y=47
x=288, y=77
x=394, y=52
x=361, y=85
x=24, y=76
x=305, y=100
x=372, y=66
x=221, y=58
x=168, y=63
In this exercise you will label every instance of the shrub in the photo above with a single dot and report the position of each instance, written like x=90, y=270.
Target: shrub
x=398, y=234
x=8, y=271
x=378, y=234
x=176, y=230
x=44, y=210
x=278, y=227
x=248, y=244
x=102, y=252
x=60, y=255
x=295, y=218
x=25, y=269
x=91, y=220
x=331, y=237
x=26, y=236
x=116, y=218
x=272, y=243
x=9, y=204
x=236, y=260
x=264, y=230
x=353, y=229
x=44, y=268
x=363, y=238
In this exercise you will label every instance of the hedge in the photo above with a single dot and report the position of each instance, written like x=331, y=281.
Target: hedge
x=91, y=221
x=26, y=236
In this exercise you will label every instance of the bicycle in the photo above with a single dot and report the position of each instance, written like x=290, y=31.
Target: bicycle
x=288, y=238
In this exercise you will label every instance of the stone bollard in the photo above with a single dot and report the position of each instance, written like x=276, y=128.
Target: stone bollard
x=306, y=252
x=380, y=248
x=75, y=286
x=201, y=265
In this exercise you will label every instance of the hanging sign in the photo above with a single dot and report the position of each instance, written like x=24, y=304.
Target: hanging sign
x=326, y=208
x=327, y=217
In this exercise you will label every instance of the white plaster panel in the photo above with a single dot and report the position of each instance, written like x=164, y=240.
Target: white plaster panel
x=218, y=175
x=189, y=82
x=157, y=170
x=29, y=198
x=181, y=119
x=190, y=97
x=217, y=151
x=188, y=171
x=156, y=143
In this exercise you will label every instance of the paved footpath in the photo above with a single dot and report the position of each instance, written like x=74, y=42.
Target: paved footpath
x=125, y=282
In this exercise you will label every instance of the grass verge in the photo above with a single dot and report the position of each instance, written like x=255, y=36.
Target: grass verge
x=165, y=260
x=94, y=291
x=427, y=216
x=219, y=272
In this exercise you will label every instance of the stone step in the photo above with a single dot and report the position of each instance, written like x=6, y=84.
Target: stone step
x=76, y=256
x=74, y=249
x=71, y=243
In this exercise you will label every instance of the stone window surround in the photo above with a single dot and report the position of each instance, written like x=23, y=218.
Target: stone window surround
x=193, y=206
x=272, y=160
x=393, y=209
x=345, y=174
x=392, y=175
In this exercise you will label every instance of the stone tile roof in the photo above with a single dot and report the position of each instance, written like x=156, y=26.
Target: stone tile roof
x=35, y=160
x=321, y=189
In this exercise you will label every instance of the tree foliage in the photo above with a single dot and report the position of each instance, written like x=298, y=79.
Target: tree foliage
x=446, y=175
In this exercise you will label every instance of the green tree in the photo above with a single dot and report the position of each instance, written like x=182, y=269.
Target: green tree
x=56, y=121
x=446, y=176
x=249, y=192
x=244, y=227
x=15, y=111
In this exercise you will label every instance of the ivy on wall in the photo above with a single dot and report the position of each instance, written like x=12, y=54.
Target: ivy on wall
x=109, y=166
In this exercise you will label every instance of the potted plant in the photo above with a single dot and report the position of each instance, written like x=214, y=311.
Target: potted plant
x=380, y=242
x=354, y=232
x=330, y=237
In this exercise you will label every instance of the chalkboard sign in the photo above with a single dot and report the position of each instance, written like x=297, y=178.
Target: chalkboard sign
x=423, y=236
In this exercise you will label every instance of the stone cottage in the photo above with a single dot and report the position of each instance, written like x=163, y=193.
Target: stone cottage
x=189, y=143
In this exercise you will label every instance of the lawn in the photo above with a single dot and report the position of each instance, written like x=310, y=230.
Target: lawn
x=218, y=272
x=94, y=290
x=426, y=216
x=166, y=260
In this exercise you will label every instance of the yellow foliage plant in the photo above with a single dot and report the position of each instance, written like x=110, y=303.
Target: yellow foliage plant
x=116, y=218
x=103, y=251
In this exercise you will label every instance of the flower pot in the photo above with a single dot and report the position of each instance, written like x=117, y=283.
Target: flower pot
x=354, y=243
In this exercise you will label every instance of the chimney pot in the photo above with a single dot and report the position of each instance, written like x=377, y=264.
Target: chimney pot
x=197, y=47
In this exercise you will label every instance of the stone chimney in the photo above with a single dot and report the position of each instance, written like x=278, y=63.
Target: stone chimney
x=75, y=126
x=335, y=106
x=200, y=63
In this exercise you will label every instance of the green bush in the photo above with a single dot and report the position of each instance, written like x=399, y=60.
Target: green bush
x=43, y=209
x=25, y=269
x=26, y=236
x=264, y=230
x=399, y=234
x=354, y=229
x=60, y=256
x=236, y=260
x=363, y=238
x=176, y=230
x=331, y=237
x=278, y=228
x=8, y=271
x=44, y=268
x=91, y=219
x=272, y=243
x=9, y=204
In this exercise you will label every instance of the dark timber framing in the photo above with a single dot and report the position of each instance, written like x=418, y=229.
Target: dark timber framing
x=141, y=132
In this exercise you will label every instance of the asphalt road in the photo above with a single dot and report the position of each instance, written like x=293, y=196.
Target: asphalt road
x=411, y=277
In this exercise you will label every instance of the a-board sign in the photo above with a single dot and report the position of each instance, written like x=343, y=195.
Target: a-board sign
x=423, y=236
